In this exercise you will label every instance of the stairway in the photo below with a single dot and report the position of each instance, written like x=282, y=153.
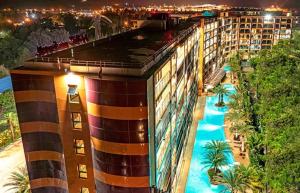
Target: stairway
x=216, y=77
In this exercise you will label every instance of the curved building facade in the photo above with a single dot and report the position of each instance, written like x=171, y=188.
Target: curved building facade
x=41, y=134
x=118, y=121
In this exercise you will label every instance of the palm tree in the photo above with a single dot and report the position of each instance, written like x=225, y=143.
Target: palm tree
x=218, y=147
x=220, y=91
x=215, y=160
x=236, y=101
x=244, y=129
x=231, y=181
x=240, y=179
x=11, y=125
x=237, y=118
x=256, y=148
x=19, y=181
x=249, y=177
x=215, y=156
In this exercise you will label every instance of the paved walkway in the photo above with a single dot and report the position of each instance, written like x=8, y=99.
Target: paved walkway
x=11, y=158
x=187, y=157
x=244, y=160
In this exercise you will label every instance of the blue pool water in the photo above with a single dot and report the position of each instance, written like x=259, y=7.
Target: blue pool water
x=5, y=84
x=227, y=68
x=210, y=128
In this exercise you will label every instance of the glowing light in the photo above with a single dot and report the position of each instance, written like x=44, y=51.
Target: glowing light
x=72, y=79
x=27, y=20
x=9, y=21
x=33, y=16
x=268, y=17
x=3, y=34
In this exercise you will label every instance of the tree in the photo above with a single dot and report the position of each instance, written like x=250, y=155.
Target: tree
x=19, y=181
x=218, y=147
x=11, y=51
x=237, y=117
x=70, y=23
x=240, y=179
x=231, y=181
x=7, y=104
x=47, y=23
x=243, y=129
x=270, y=99
x=220, y=91
x=215, y=157
x=215, y=160
x=85, y=22
x=249, y=178
x=256, y=148
x=10, y=123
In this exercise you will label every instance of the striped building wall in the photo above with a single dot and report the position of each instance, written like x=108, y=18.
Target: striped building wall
x=69, y=134
x=41, y=134
x=117, y=115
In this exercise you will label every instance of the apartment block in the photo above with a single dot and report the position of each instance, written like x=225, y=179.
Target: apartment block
x=114, y=115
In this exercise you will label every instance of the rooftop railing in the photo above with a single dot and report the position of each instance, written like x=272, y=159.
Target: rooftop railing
x=144, y=66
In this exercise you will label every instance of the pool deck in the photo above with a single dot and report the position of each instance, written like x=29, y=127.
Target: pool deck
x=198, y=115
x=244, y=160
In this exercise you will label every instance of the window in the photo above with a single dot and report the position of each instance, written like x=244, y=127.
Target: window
x=74, y=98
x=79, y=146
x=72, y=89
x=84, y=190
x=82, y=171
x=76, y=120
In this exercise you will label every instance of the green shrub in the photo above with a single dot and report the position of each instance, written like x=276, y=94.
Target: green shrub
x=8, y=119
x=3, y=71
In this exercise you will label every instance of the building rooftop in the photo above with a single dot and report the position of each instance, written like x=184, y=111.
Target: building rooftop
x=136, y=49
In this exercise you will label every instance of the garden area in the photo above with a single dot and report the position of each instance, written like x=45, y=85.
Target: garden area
x=264, y=118
x=9, y=128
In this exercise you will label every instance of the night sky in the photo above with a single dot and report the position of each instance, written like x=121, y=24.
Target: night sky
x=96, y=3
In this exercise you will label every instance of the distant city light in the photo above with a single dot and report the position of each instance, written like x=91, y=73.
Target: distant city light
x=9, y=21
x=27, y=20
x=33, y=16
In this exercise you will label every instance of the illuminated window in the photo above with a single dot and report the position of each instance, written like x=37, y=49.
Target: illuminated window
x=84, y=190
x=79, y=146
x=76, y=120
x=72, y=89
x=74, y=98
x=82, y=171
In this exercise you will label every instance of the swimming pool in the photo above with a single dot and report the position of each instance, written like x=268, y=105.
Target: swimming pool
x=210, y=128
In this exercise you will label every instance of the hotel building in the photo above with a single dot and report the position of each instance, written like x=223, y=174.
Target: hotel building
x=114, y=115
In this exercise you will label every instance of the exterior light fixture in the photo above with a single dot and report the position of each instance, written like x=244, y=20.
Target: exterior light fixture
x=72, y=81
